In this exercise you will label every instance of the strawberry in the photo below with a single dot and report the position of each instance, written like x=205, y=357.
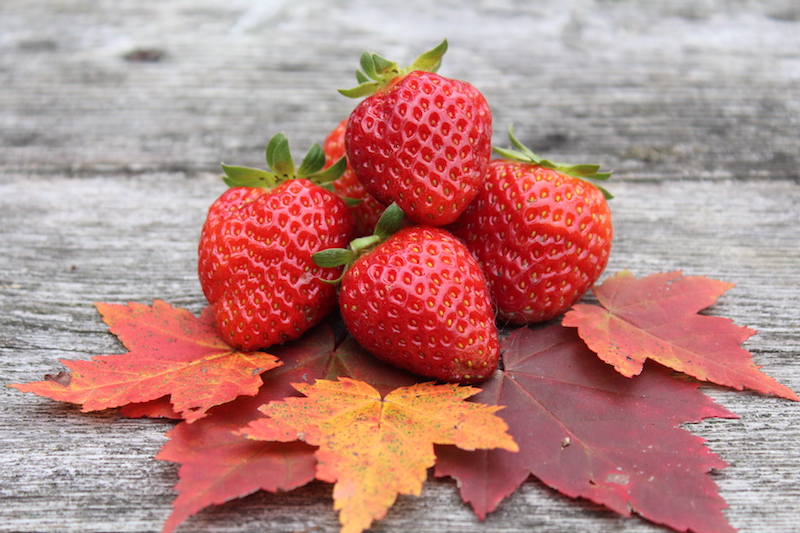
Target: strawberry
x=418, y=300
x=368, y=210
x=418, y=139
x=255, y=252
x=540, y=231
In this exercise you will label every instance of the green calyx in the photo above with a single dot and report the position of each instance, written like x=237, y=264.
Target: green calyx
x=390, y=221
x=281, y=167
x=377, y=71
x=524, y=154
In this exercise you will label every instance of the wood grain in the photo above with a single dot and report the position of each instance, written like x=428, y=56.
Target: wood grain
x=114, y=117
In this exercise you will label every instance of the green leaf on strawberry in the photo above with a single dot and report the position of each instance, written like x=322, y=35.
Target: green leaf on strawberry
x=525, y=154
x=248, y=177
x=313, y=162
x=282, y=168
x=377, y=71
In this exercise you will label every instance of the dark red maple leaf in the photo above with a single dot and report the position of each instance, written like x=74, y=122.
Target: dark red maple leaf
x=589, y=432
x=218, y=465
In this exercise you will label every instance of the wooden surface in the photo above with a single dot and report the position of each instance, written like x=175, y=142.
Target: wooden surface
x=114, y=117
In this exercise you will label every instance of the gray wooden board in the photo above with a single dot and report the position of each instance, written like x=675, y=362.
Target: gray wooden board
x=108, y=164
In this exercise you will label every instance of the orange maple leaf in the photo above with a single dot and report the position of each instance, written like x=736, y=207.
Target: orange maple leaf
x=171, y=353
x=656, y=317
x=375, y=448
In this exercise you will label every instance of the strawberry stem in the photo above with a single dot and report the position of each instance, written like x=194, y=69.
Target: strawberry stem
x=390, y=221
x=334, y=257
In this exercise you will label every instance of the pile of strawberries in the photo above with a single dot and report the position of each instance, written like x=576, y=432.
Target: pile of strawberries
x=405, y=222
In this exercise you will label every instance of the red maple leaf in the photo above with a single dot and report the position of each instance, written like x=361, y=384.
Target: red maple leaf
x=171, y=352
x=588, y=432
x=656, y=318
x=159, y=408
x=218, y=465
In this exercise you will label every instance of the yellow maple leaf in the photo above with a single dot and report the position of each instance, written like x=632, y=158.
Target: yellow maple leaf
x=375, y=448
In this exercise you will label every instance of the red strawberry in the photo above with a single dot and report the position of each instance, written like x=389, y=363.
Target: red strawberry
x=419, y=301
x=540, y=231
x=365, y=213
x=419, y=139
x=255, y=263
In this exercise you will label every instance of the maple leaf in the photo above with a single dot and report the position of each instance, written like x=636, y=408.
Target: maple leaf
x=588, y=432
x=373, y=448
x=159, y=408
x=656, y=317
x=218, y=464
x=171, y=353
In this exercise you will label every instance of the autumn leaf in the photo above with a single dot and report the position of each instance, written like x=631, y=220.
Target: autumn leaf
x=656, y=318
x=159, y=408
x=171, y=352
x=374, y=448
x=590, y=433
x=218, y=464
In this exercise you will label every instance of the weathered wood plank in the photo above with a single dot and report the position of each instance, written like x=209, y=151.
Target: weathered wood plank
x=108, y=162
x=651, y=89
